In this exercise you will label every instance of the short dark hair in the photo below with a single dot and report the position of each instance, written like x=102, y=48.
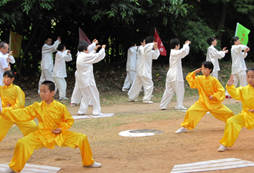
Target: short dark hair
x=50, y=84
x=250, y=69
x=208, y=64
x=210, y=40
x=233, y=40
x=9, y=73
x=61, y=47
x=2, y=44
x=174, y=42
x=82, y=47
x=82, y=42
x=149, y=39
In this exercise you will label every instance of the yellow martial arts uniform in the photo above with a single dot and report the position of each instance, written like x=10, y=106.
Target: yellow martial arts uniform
x=14, y=96
x=206, y=86
x=52, y=116
x=244, y=119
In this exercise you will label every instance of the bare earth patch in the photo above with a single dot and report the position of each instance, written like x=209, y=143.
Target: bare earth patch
x=155, y=154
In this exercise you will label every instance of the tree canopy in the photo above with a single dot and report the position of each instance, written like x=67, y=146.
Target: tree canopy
x=117, y=23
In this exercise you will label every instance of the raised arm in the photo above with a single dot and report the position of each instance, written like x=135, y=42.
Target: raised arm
x=19, y=115
x=234, y=92
x=191, y=78
x=50, y=48
x=95, y=57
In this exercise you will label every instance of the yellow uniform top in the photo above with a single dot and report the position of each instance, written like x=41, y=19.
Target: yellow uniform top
x=207, y=86
x=246, y=95
x=13, y=95
x=52, y=116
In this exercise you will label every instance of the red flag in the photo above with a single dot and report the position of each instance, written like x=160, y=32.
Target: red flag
x=160, y=44
x=82, y=36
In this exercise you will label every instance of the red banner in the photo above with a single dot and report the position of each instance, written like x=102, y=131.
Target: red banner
x=82, y=36
x=160, y=44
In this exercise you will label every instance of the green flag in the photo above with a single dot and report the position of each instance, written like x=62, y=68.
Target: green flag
x=242, y=33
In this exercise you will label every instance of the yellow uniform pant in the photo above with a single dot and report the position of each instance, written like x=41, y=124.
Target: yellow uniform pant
x=232, y=130
x=26, y=146
x=198, y=110
x=25, y=127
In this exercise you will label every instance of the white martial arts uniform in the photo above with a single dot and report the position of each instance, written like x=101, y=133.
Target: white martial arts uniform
x=47, y=62
x=144, y=73
x=213, y=55
x=86, y=82
x=76, y=93
x=3, y=65
x=174, y=80
x=130, y=67
x=59, y=72
x=238, y=65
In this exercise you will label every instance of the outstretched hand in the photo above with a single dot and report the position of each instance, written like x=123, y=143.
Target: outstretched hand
x=56, y=131
x=187, y=41
x=251, y=110
x=231, y=80
x=103, y=46
x=247, y=50
x=155, y=46
x=97, y=47
x=197, y=70
x=225, y=50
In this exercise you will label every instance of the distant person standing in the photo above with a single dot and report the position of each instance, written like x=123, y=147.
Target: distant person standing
x=4, y=65
x=130, y=67
x=238, y=53
x=213, y=55
x=149, y=52
x=47, y=60
x=174, y=81
x=59, y=71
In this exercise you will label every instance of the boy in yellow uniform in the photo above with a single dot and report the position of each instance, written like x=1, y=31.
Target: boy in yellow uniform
x=54, y=122
x=12, y=97
x=211, y=94
x=246, y=117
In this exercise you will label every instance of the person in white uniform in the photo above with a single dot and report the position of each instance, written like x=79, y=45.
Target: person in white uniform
x=4, y=66
x=144, y=71
x=85, y=78
x=59, y=71
x=174, y=80
x=238, y=53
x=76, y=93
x=47, y=60
x=130, y=67
x=213, y=55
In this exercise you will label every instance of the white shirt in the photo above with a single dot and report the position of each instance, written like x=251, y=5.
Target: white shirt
x=90, y=49
x=131, y=59
x=238, y=63
x=140, y=48
x=175, y=72
x=146, y=60
x=47, y=58
x=3, y=65
x=85, y=63
x=213, y=55
x=12, y=59
x=60, y=66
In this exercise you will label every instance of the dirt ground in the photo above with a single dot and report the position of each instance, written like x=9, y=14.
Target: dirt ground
x=155, y=154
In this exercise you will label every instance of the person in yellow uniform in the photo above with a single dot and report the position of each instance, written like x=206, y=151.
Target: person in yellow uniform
x=211, y=94
x=246, y=117
x=12, y=97
x=54, y=123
